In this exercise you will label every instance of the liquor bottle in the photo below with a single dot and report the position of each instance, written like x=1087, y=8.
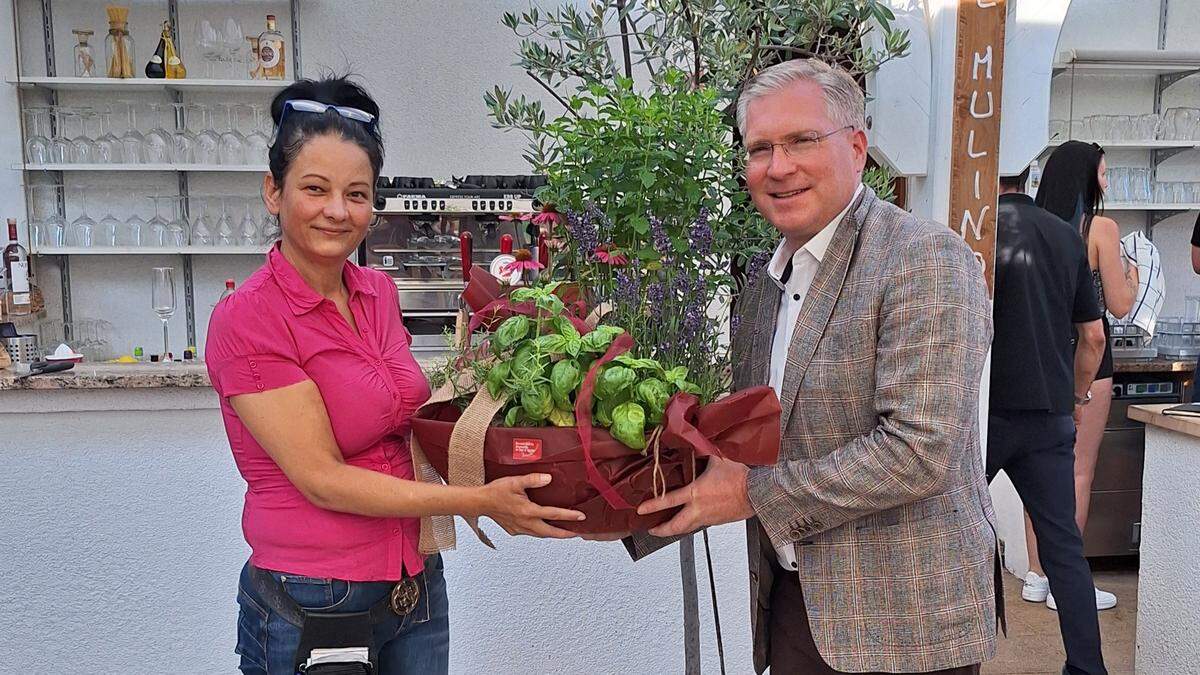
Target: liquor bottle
x=175, y=69
x=156, y=69
x=17, y=299
x=1035, y=179
x=270, y=51
x=85, y=61
x=227, y=292
x=255, y=58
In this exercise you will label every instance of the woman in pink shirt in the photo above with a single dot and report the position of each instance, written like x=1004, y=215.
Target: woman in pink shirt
x=317, y=385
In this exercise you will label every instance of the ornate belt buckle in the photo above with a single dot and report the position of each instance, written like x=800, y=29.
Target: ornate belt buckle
x=404, y=596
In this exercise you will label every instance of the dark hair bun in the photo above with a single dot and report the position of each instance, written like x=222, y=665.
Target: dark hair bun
x=334, y=90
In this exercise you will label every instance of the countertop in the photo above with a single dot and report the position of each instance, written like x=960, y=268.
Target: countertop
x=1152, y=415
x=132, y=376
x=1164, y=365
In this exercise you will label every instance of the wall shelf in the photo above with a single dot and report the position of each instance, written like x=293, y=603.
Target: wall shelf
x=103, y=84
x=186, y=168
x=1128, y=62
x=1133, y=145
x=1140, y=206
x=152, y=250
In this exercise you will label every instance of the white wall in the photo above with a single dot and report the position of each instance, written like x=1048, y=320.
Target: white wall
x=122, y=525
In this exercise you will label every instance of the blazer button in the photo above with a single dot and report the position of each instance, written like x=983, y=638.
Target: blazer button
x=260, y=386
x=796, y=533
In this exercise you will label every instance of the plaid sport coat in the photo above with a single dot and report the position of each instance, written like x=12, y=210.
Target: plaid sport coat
x=880, y=485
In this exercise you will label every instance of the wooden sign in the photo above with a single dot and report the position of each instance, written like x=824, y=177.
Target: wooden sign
x=975, y=162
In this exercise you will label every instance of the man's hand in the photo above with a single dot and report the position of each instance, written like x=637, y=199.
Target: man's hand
x=718, y=496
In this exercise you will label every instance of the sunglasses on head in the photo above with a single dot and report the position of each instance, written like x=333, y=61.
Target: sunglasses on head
x=316, y=107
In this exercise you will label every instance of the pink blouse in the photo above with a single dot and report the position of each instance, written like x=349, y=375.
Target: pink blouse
x=275, y=331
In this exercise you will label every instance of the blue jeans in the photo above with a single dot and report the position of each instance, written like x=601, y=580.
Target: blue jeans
x=415, y=644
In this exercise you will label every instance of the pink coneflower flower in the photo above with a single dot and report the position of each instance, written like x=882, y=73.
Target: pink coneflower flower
x=524, y=261
x=549, y=216
x=516, y=217
x=609, y=255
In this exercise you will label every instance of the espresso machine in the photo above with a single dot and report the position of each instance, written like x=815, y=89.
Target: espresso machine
x=428, y=234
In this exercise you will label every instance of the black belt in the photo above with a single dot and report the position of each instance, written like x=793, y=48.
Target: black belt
x=402, y=600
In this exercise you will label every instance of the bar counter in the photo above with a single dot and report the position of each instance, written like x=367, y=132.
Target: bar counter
x=1168, y=617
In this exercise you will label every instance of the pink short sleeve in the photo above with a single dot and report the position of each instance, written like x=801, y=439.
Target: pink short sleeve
x=249, y=349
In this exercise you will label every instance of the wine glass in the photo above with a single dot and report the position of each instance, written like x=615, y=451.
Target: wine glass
x=133, y=140
x=133, y=232
x=158, y=143
x=83, y=148
x=177, y=228
x=83, y=227
x=184, y=141
x=60, y=147
x=202, y=229
x=208, y=41
x=248, y=234
x=158, y=225
x=208, y=141
x=111, y=149
x=234, y=39
x=233, y=145
x=37, y=146
x=162, y=299
x=258, y=142
x=226, y=233
x=108, y=230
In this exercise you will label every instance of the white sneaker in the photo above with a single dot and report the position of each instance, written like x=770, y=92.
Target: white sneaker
x=1036, y=588
x=1104, y=600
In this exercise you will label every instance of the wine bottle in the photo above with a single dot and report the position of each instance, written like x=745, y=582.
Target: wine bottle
x=157, y=69
x=175, y=69
x=270, y=51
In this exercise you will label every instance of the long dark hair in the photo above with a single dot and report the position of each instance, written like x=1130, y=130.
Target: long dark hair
x=1070, y=187
x=299, y=129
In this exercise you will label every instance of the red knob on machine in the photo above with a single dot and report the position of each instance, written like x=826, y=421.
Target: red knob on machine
x=506, y=243
x=465, y=250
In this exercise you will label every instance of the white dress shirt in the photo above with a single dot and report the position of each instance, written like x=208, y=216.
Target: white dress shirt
x=804, y=263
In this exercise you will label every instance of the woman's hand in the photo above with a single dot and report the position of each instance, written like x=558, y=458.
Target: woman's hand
x=506, y=503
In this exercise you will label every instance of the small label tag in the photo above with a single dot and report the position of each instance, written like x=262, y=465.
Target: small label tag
x=527, y=449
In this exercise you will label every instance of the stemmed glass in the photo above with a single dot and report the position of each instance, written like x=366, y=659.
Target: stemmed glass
x=162, y=299
x=232, y=149
x=158, y=225
x=83, y=148
x=177, y=228
x=159, y=143
x=133, y=140
x=226, y=235
x=184, y=141
x=248, y=234
x=133, y=232
x=60, y=148
x=83, y=227
x=234, y=40
x=37, y=146
x=208, y=40
x=208, y=141
x=258, y=143
x=109, y=148
x=109, y=228
x=202, y=229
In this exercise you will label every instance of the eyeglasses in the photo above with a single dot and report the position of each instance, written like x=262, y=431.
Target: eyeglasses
x=760, y=154
x=316, y=107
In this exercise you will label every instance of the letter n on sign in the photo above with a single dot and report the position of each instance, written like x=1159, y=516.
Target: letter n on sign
x=975, y=159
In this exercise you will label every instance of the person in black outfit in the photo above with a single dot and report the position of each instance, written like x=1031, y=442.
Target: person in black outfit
x=1043, y=289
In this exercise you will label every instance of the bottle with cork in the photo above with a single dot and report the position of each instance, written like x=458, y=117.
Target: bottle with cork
x=118, y=46
x=270, y=51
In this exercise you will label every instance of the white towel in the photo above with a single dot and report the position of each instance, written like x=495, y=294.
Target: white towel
x=1139, y=250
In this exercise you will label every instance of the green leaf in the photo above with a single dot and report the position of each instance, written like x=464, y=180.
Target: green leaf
x=655, y=394
x=565, y=378
x=496, y=378
x=537, y=402
x=648, y=177
x=510, y=331
x=614, y=380
x=562, y=418
x=629, y=425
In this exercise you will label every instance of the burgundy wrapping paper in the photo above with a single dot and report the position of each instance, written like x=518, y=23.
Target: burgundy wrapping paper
x=743, y=427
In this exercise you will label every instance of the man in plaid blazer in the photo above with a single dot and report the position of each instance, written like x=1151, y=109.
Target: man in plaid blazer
x=871, y=542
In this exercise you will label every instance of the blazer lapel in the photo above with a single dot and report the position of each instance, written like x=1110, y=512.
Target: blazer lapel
x=821, y=299
x=767, y=305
